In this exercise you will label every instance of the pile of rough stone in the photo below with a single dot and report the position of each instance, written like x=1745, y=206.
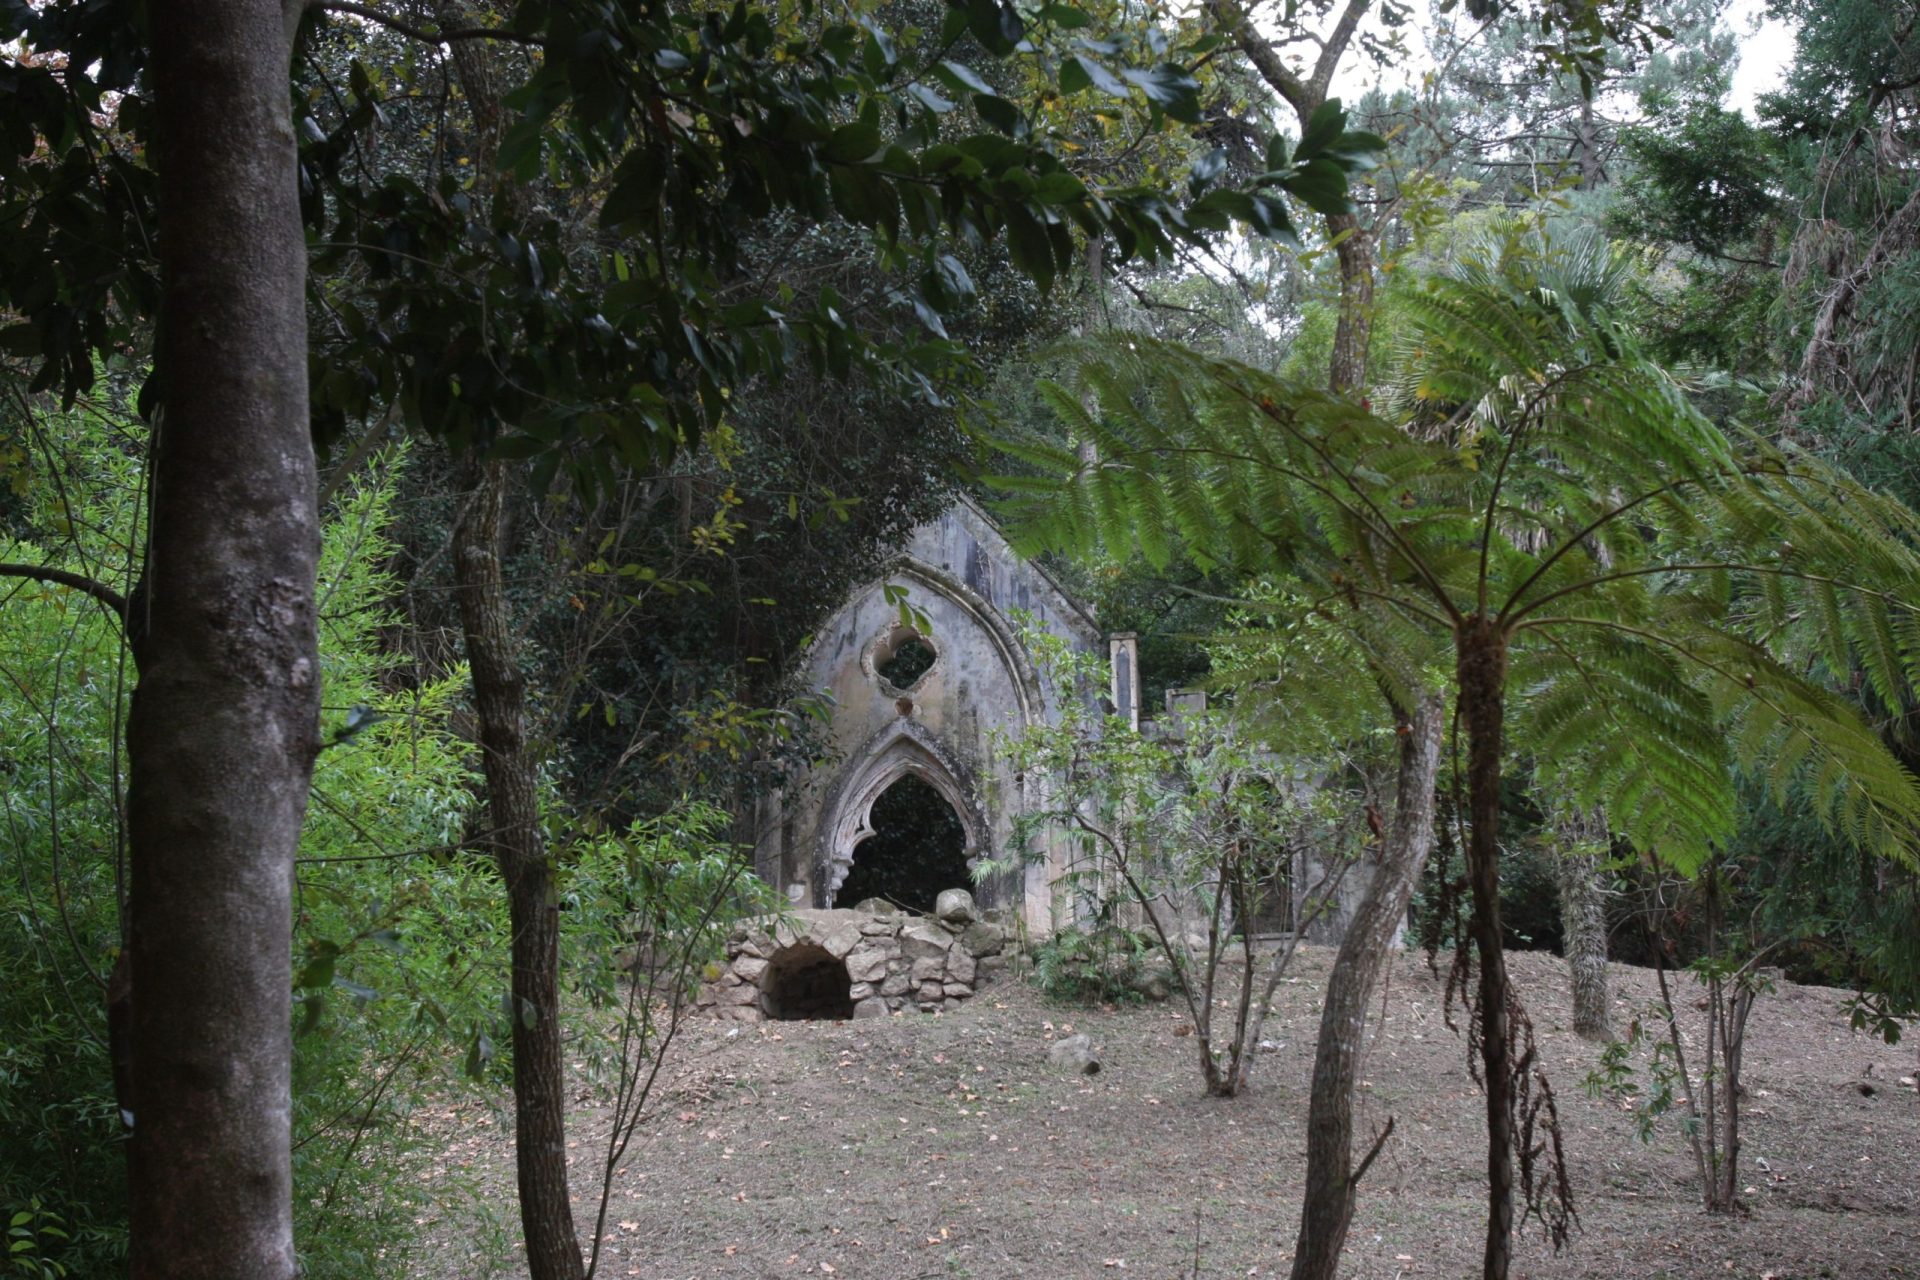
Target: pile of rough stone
x=864, y=962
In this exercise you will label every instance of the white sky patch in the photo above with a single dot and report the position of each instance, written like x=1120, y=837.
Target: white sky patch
x=1766, y=50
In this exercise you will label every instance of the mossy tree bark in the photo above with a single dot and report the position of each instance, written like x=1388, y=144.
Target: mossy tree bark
x=1583, y=919
x=1353, y=328
x=224, y=721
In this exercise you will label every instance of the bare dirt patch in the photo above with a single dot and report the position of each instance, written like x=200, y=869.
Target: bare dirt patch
x=944, y=1145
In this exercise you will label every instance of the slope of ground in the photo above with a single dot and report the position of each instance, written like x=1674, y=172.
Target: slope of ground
x=944, y=1146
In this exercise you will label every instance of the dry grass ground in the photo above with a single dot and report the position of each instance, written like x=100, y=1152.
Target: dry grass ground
x=945, y=1147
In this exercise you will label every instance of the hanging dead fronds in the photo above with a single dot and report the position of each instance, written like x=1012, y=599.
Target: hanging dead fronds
x=1541, y=1177
x=1836, y=359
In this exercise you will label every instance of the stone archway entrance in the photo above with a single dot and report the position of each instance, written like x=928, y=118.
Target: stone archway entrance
x=806, y=981
x=933, y=834
x=918, y=847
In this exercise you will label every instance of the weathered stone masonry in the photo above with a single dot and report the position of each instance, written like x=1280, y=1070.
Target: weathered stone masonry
x=863, y=962
x=971, y=594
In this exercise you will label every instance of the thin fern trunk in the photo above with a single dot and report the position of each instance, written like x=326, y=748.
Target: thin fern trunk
x=1583, y=921
x=1482, y=671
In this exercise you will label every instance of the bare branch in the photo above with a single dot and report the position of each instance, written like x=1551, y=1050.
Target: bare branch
x=1238, y=27
x=106, y=595
x=1335, y=48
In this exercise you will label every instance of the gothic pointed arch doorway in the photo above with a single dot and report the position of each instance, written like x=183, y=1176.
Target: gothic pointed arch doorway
x=916, y=847
x=902, y=824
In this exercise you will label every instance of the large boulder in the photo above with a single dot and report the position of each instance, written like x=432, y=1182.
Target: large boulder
x=928, y=967
x=923, y=938
x=867, y=964
x=1075, y=1054
x=1155, y=982
x=960, y=965
x=954, y=908
x=749, y=968
x=984, y=938
x=838, y=938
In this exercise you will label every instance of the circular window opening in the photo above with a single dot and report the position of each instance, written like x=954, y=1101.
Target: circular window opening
x=805, y=981
x=904, y=657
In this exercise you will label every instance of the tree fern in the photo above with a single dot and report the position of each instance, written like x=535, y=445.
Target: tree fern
x=1645, y=597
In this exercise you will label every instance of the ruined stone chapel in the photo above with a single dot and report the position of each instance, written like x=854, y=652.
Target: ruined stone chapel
x=907, y=804
x=908, y=800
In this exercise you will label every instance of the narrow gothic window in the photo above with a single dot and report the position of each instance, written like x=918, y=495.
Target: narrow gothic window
x=917, y=848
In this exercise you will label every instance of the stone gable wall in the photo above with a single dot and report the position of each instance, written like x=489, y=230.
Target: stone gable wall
x=970, y=588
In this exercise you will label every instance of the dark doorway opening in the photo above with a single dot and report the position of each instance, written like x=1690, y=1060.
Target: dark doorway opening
x=917, y=848
x=805, y=981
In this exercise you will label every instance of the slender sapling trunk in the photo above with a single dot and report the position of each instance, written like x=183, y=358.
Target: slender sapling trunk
x=513, y=810
x=1326, y=1210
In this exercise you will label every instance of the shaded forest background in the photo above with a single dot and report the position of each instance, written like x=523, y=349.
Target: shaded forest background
x=609, y=411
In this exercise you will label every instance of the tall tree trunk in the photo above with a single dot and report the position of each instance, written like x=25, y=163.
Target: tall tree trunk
x=1482, y=671
x=1587, y=143
x=1327, y=1207
x=1583, y=904
x=500, y=703
x=1353, y=331
x=1305, y=90
x=513, y=810
x=224, y=722
x=1583, y=919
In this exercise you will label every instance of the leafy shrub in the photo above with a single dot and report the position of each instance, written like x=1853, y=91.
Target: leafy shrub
x=34, y=1234
x=397, y=936
x=400, y=936
x=63, y=680
x=1103, y=965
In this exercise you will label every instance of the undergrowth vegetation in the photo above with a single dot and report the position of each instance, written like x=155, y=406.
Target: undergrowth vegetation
x=400, y=936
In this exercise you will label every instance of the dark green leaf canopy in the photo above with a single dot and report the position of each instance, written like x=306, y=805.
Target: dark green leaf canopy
x=494, y=322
